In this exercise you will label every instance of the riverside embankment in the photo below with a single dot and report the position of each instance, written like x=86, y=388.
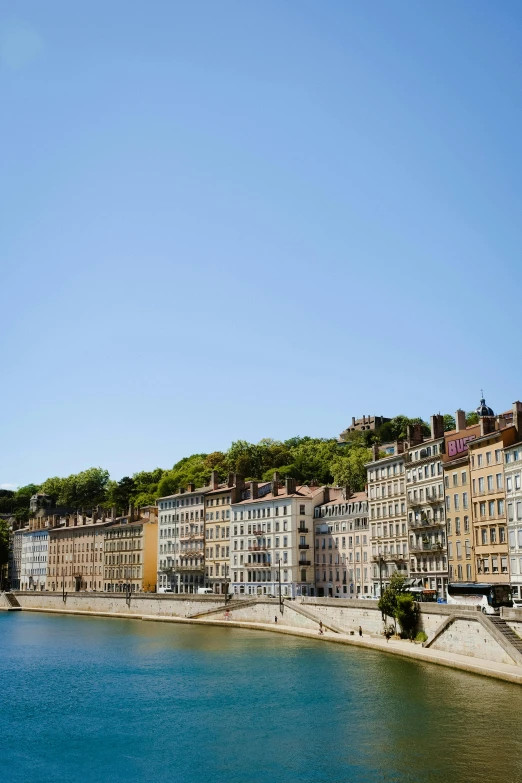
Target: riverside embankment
x=461, y=640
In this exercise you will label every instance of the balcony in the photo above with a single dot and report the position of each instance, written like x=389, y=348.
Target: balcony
x=257, y=548
x=193, y=569
x=429, y=523
x=387, y=557
x=304, y=546
x=437, y=549
x=304, y=563
x=257, y=566
x=257, y=531
x=302, y=530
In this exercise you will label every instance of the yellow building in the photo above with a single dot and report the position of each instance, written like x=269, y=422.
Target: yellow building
x=489, y=500
x=130, y=553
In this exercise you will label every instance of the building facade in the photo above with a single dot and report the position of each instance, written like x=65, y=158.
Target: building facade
x=181, y=542
x=218, y=503
x=272, y=539
x=458, y=500
x=513, y=490
x=343, y=566
x=387, y=516
x=34, y=554
x=425, y=506
x=489, y=499
x=15, y=557
x=75, y=561
x=130, y=548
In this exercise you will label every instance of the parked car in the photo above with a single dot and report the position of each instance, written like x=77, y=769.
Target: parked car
x=165, y=590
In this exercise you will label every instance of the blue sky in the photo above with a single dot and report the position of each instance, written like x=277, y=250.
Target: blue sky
x=224, y=220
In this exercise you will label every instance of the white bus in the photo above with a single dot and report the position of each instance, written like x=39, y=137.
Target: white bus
x=489, y=597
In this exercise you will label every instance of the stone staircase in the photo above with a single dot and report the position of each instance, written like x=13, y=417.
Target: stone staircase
x=231, y=605
x=310, y=615
x=507, y=632
x=10, y=603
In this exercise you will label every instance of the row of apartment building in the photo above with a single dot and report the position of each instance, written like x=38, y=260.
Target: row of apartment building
x=437, y=508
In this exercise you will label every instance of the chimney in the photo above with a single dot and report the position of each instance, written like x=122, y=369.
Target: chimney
x=326, y=496
x=353, y=421
x=231, y=479
x=437, y=426
x=253, y=490
x=460, y=420
x=275, y=484
x=487, y=425
x=414, y=434
x=501, y=422
x=364, y=419
x=214, y=479
x=517, y=418
x=289, y=486
x=347, y=492
x=131, y=512
x=191, y=487
x=375, y=452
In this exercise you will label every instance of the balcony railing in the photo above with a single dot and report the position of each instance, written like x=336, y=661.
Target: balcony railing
x=191, y=569
x=257, y=548
x=304, y=563
x=304, y=546
x=433, y=548
x=414, y=525
x=389, y=557
x=302, y=530
x=257, y=566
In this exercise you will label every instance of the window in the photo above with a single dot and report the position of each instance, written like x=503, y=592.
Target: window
x=502, y=535
x=464, y=500
x=497, y=455
x=493, y=535
x=302, y=510
x=479, y=460
x=484, y=536
x=464, y=476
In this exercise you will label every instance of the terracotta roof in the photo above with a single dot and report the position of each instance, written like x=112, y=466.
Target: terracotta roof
x=300, y=492
x=357, y=497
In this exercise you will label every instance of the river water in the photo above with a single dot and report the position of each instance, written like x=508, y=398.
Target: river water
x=92, y=700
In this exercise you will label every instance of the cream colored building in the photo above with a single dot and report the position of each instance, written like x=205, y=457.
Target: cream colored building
x=343, y=567
x=425, y=506
x=272, y=539
x=181, y=541
x=387, y=515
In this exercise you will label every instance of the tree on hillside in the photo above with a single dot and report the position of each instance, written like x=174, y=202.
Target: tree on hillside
x=472, y=418
x=349, y=468
x=397, y=428
x=4, y=542
x=188, y=470
x=449, y=422
x=120, y=493
x=146, y=486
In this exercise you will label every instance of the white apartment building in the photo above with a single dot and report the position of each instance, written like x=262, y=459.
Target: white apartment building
x=181, y=540
x=271, y=539
x=513, y=490
x=33, y=563
x=388, y=518
x=425, y=507
x=342, y=545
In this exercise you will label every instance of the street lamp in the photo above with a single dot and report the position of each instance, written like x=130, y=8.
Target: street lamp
x=281, y=604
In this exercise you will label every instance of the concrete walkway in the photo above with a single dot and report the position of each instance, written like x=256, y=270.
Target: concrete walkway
x=406, y=649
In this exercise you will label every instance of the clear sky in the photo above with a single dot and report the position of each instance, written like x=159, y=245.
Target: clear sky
x=224, y=220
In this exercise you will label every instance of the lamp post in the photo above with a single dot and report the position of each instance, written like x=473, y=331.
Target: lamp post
x=281, y=605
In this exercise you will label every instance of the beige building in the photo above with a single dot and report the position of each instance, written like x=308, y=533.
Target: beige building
x=387, y=515
x=130, y=553
x=490, y=536
x=217, y=530
x=75, y=555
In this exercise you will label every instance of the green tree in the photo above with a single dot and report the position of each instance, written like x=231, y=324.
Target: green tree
x=121, y=493
x=406, y=614
x=397, y=428
x=449, y=422
x=4, y=542
x=388, y=603
x=349, y=468
x=472, y=417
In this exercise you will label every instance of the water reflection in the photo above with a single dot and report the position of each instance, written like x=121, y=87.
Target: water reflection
x=125, y=700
